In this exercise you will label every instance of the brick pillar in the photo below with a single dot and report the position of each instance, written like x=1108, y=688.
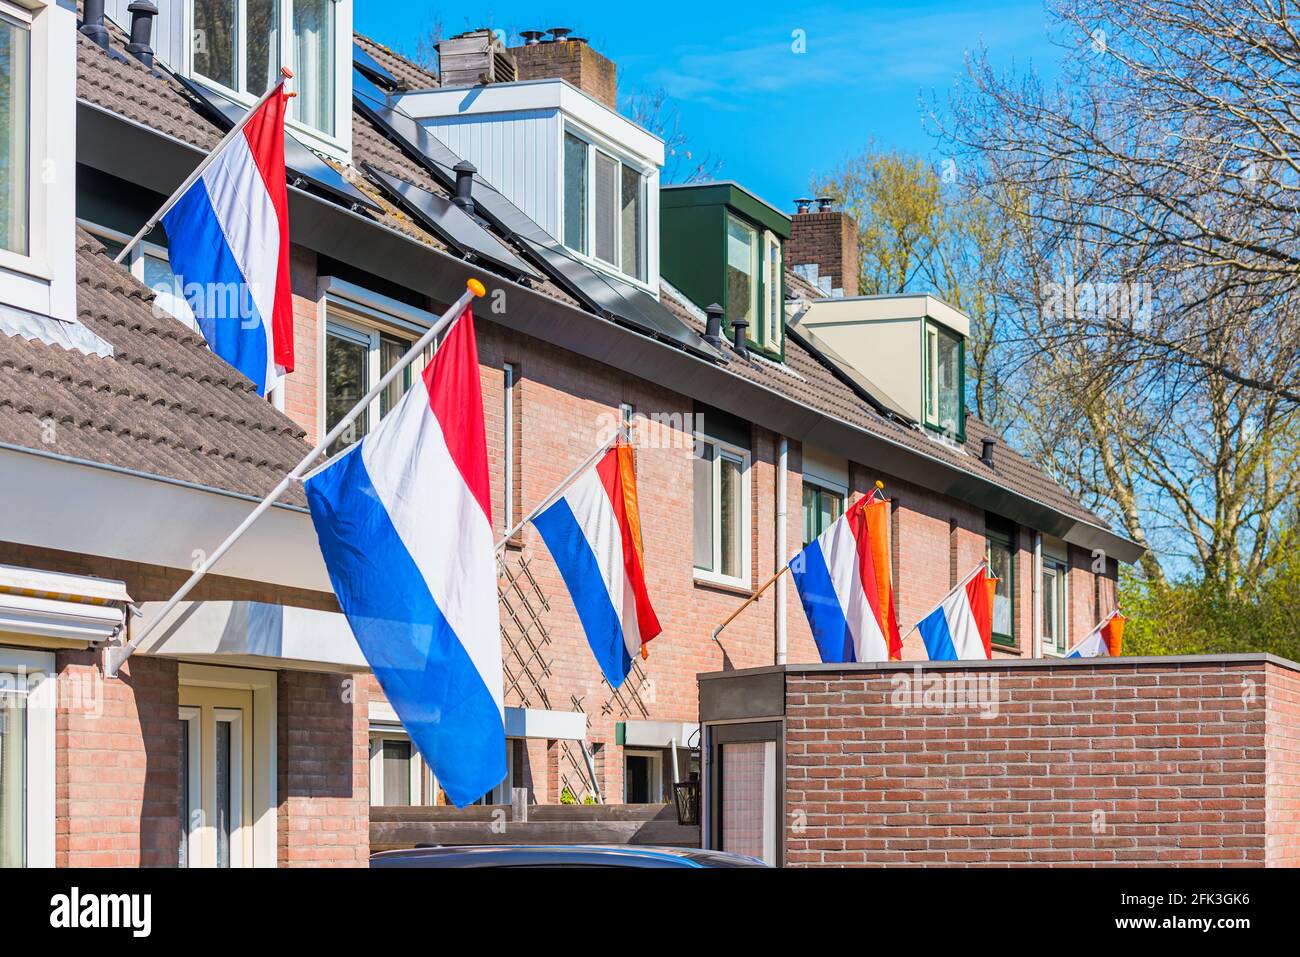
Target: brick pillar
x=117, y=765
x=571, y=60
x=828, y=238
x=323, y=770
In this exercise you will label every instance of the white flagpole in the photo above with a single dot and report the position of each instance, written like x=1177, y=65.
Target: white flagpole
x=235, y=130
x=114, y=656
x=984, y=562
x=555, y=492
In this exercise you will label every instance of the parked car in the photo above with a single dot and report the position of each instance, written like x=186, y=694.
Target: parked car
x=572, y=855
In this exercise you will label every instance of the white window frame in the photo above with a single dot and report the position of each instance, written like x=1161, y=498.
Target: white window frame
x=741, y=456
x=347, y=321
x=193, y=771
x=656, y=772
x=9, y=257
x=824, y=485
x=597, y=144
x=235, y=718
x=33, y=673
x=336, y=144
x=773, y=305
x=423, y=785
x=1060, y=567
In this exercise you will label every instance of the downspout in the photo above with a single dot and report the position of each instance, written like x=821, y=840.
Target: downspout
x=1037, y=629
x=782, y=465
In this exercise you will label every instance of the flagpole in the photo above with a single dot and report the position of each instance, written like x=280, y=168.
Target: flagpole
x=555, y=493
x=861, y=503
x=115, y=656
x=983, y=563
x=285, y=74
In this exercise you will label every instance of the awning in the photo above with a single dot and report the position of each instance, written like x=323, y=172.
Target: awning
x=52, y=605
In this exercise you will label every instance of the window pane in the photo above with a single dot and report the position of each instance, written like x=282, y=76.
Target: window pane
x=1000, y=568
x=223, y=776
x=184, y=803
x=811, y=514
x=13, y=765
x=15, y=72
x=772, y=322
x=397, y=773
x=313, y=49
x=949, y=383
x=633, y=224
x=932, y=376
x=1049, y=607
x=159, y=277
x=575, y=193
x=832, y=503
x=391, y=350
x=605, y=243
x=742, y=273
x=704, y=507
x=215, y=56
x=346, y=382
x=729, y=512
x=262, y=46
x=748, y=808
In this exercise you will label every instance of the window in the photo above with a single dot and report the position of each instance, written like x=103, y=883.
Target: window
x=356, y=357
x=508, y=447
x=516, y=752
x=774, y=313
x=821, y=507
x=239, y=45
x=721, y=506
x=944, y=381
x=397, y=773
x=643, y=777
x=27, y=709
x=15, y=93
x=754, y=283
x=13, y=778
x=1056, y=638
x=1002, y=567
x=604, y=216
x=148, y=262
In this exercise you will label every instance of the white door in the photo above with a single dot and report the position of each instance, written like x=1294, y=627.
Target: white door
x=217, y=777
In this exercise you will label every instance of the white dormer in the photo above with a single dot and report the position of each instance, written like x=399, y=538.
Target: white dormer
x=580, y=170
x=236, y=47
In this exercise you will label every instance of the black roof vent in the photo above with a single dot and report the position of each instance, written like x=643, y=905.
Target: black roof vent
x=802, y=205
x=92, y=24
x=713, y=325
x=464, y=171
x=988, y=444
x=142, y=14
x=739, y=328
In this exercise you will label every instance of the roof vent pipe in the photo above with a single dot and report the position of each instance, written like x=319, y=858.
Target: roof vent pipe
x=142, y=14
x=92, y=24
x=986, y=454
x=464, y=171
x=739, y=327
x=713, y=325
x=532, y=37
x=802, y=205
x=559, y=34
x=824, y=203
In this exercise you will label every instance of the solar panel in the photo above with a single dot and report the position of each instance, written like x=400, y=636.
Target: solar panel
x=373, y=69
x=601, y=293
x=299, y=161
x=452, y=224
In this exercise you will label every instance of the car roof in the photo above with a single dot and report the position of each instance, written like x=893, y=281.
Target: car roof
x=490, y=855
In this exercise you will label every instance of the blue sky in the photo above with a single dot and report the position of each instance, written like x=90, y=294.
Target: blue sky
x=774, y=115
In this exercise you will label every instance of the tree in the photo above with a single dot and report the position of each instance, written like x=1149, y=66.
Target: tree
x=653, y=110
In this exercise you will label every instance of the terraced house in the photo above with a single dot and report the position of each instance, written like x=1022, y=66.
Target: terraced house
x=721, y=332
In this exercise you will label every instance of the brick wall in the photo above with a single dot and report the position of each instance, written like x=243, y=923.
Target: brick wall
x=1148, y=761
x=323, y=768
x=829, y=239
x=117, y=764
x=573, y=61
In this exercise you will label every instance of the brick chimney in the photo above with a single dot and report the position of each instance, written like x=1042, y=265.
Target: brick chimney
x=826, y=238
x=565, y=57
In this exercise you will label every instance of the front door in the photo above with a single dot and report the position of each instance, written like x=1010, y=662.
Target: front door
x=216, y=800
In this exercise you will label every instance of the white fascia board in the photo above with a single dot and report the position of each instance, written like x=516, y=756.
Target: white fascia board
x=279, y=636
x=53, y=618
x=659, y=734
x=541, y=723
x=539, y=96
x=886, y=308
x=93, y=509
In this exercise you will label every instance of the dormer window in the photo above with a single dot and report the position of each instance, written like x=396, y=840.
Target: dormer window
x=604, y=200
x=944, y=365
x=15, y=83
x=722, y=244
x=239, y=45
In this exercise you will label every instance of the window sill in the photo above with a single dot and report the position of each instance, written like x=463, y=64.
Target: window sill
x=732, y=586
x=1011, y=648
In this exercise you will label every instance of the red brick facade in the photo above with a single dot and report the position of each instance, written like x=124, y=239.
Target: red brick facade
x=830, y=239
x=1145, y=761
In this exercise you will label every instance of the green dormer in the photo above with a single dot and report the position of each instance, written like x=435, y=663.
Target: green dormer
x=721, y=243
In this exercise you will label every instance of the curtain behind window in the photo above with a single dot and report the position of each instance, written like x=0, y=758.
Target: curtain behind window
x=13, y=747
x=313, y=47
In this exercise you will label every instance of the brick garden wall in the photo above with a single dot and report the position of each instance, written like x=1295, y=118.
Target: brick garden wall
x=1141, y=762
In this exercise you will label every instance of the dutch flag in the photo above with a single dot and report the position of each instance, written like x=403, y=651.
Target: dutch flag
x=1106, y=640
x=961, y=627
x=404, y=522
x=228, y=244
x=843, y=581
x=593, y=532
